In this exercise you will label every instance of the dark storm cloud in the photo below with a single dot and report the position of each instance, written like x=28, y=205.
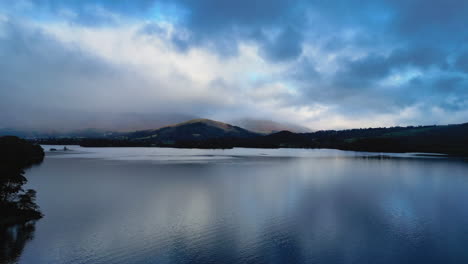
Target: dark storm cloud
x=214, y=20
x=433, y=18
x=362, y=86
x=447, y=84
x=223, y=24
x=363, y=72
x=211, y=15
x=304, y=71
x=84, y=9
x=286, y=45
x=217, y=24
x=461, y=62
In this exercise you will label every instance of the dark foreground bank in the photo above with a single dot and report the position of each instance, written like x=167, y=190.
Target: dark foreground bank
x=17, y=205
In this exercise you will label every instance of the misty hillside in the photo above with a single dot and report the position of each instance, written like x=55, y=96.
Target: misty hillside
x=41, y=124
x=269, y=126
x=192, y=130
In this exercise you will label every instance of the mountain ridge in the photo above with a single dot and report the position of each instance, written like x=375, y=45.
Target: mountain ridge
x=266, y=127
x=191, y=130
x=205, y=133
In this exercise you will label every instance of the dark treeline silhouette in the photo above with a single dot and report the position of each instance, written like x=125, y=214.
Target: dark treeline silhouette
x=16, y=204
x=448, y=139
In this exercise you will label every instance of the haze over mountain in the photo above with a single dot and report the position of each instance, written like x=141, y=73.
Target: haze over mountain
x=75, y=122
x=98, y=125
x=192, y=130
x=269, y=126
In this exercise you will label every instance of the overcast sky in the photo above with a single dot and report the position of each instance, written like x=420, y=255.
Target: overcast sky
x=322, y=64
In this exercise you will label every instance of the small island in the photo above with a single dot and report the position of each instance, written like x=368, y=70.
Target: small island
x=17, y=205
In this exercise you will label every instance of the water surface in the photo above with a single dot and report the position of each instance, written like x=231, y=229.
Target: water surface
x=152, y=205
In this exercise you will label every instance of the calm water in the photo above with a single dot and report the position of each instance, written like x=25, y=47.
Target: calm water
x=143, y=205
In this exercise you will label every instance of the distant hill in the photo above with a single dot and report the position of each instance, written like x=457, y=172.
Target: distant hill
x=192, y=130
x=448, y=139
x=205, y=133
x=269, y=126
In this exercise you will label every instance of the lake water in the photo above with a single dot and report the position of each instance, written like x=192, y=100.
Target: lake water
x=154, y=205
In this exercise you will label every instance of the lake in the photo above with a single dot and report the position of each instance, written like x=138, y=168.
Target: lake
x=162, y=205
